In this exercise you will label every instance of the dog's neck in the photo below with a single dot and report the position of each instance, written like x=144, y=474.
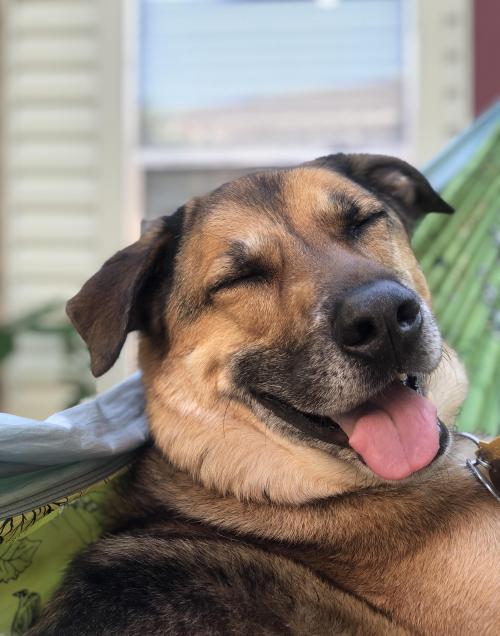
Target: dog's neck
x=416, y=508
x=413, y=551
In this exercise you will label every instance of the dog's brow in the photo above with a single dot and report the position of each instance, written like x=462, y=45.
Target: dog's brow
x=349, y=208
x=351, y=213
x=342, y=207
x=239, y=253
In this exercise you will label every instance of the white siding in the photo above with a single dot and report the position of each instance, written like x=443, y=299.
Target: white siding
x=67, y=185
x=440, y=88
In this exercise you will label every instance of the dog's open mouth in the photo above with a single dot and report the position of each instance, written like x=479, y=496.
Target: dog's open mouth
x=395, y=433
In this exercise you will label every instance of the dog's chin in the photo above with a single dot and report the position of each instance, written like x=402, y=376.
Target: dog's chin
x=378, y=433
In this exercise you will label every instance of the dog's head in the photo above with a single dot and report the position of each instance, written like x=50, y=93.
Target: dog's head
x=285, y=309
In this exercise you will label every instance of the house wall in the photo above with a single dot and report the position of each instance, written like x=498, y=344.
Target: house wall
x=68, y=194
x=440, y=58
x=68, y=188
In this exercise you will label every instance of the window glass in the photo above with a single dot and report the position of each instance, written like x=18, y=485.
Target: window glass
x=306, y=75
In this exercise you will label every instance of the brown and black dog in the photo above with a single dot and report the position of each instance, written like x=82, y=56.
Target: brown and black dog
x=299, y=481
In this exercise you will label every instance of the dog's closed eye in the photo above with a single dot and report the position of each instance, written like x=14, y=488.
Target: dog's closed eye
x=251, y=275
x=360, y=224
x=240, y=266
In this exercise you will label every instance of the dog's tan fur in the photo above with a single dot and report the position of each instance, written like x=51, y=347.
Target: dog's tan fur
x=352, y=553
x=188, y=426
x=186, y=385
x=407, y=551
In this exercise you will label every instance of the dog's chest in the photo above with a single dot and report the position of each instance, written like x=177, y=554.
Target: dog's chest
x=450, y=585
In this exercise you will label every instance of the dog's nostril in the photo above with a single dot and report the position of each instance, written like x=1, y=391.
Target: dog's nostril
x=361, y=332
x=408, y=313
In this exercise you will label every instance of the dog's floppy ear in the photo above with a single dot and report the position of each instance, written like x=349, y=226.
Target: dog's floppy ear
x=392, y=178
x=114, y=301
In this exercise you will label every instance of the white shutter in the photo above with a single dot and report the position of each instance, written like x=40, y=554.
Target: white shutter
x=68, y=196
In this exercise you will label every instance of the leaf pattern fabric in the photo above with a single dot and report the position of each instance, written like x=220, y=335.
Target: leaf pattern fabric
x=34, y=554
x=15, y=558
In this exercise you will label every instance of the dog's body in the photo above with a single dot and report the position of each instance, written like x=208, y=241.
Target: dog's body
x=277, y=315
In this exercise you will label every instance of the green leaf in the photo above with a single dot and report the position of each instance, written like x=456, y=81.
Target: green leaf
x=6, y=343
x=15, y=557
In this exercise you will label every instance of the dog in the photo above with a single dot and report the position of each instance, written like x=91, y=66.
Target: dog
x=300, y=479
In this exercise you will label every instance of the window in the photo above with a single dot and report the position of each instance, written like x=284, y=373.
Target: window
x=229, y=85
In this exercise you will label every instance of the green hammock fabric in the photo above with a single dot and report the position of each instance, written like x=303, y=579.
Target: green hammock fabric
x=32, y=562
x=460, y=256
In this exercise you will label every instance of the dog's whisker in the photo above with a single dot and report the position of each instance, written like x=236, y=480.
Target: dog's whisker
x=224, y=416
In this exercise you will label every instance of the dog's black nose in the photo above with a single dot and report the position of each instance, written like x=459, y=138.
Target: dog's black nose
x=379, y=320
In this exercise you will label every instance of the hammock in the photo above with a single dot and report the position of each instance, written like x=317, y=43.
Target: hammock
x=55, y=479
x=460, y=257
x=56, y=475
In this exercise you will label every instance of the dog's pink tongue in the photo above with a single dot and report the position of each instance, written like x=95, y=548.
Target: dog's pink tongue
x=396, y=433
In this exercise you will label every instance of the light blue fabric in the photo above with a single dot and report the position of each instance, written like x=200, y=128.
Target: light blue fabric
x=111, y=424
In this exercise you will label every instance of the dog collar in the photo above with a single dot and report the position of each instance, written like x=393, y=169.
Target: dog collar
x=486, y=465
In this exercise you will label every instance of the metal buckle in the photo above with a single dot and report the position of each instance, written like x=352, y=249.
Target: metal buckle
x=474, y=466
